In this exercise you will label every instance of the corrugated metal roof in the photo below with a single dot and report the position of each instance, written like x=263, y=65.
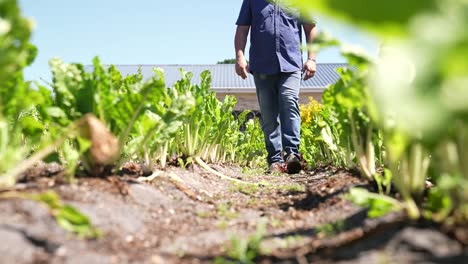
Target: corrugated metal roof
x=225, y=78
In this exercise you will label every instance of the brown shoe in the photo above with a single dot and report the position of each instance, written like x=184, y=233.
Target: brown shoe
x=293, y=164
x=277, y=167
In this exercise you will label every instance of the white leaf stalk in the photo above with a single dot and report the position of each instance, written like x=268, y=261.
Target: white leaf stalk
x=365, y=152
x=409, y=176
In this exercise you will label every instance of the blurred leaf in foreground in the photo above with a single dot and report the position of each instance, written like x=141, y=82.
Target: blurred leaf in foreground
x=68, y=217
x=382, y=17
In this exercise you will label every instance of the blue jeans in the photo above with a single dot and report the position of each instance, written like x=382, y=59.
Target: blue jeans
x=278, y=97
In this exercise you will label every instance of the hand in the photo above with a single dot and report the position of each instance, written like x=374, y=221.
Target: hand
x=310, y=67
x=242, y=68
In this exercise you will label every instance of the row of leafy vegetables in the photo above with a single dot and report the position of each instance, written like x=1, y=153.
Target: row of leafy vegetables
x=100, y=119
x=401, y=118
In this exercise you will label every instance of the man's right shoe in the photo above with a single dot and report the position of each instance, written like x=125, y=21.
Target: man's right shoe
x=277, y=167
x=293, y=164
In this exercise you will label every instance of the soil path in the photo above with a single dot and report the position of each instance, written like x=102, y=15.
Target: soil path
x=191, y=216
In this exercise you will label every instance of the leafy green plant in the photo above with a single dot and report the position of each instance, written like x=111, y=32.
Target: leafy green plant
x=293, y=187
x=330, y=229
x=206, y=133
x=144, y=115
x=352, y=106
x=319, y=135
x=343, y=129
x=409, y=172
x=11, y=153
x=245, y=189
x=210, y=132
x=448, y=200
x=225, y=211
x=418, y=86
x=68, y=217
x=250, y=147
x=245, y=250
x=16, y=96
x=430, y=123
x=63, y=143
x=377, y=204
x=17, y=52
x=438, y=205
x=384, y=181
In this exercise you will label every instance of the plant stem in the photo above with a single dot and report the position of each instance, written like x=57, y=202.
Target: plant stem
x=462, y=148
x=222, y=176
x=412, y=209
x=136, y=114
x=359, y=149
x=13, y=195
x=163, y=154
x=13, y=175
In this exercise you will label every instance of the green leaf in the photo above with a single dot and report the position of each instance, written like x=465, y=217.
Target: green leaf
x=72, y=215
x=83, y=144
x=67, y=216
x=55, y=112
x=438, y=205
x=382, y=17
x=50, y=198
x=54, y=157
x=378, y=205
x=31, y=126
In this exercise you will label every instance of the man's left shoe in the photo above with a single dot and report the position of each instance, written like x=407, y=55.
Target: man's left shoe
x=293, y=164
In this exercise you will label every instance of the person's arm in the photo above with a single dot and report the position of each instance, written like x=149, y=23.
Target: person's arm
x=240, y=41
x=310, y=66
x=243, y=26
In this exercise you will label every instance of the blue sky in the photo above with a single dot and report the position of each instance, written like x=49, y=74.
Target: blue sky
x=147, y=32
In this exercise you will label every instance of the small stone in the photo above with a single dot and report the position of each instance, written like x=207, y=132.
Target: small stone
x=61, y=252
x=157, y=259
x=51, y=183
x=129, y=239
x=114, y=259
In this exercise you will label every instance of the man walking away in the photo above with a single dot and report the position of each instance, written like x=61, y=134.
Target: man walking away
x=276, y=65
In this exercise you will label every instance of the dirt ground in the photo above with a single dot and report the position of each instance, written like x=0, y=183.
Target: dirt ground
x=191, y=216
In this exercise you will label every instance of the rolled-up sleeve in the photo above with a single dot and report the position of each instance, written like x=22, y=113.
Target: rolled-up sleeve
x=245, y=14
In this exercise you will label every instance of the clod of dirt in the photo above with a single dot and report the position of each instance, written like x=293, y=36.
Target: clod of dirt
x=104, y=145
x=131, y=168
x=41, y=169
x=461, y=233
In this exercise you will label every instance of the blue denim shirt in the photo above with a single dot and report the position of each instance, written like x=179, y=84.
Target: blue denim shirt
x=275, y=37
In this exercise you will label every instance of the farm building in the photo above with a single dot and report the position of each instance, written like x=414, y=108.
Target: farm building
x=226, y=82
